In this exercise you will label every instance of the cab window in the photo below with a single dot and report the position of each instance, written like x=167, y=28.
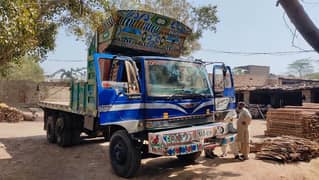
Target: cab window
x=222, y=79
x=123, y=76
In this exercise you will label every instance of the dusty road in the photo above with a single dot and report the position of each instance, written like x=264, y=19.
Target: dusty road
x=25, y=154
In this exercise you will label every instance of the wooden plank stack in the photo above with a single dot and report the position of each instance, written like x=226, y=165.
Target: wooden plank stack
x=295, y=121
x=288, y=149
x=9, y=114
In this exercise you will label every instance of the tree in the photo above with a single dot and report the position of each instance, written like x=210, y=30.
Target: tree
x=198, y=18
x=313, y=75
x=301, y=67
x=28, y=69
x=302, y=22
x=30, y=27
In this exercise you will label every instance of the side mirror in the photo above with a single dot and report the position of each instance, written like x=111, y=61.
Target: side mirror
x=121, y=92
x=129, y=95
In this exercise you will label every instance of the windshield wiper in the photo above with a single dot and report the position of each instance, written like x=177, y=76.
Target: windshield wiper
x=187, y=95
x=181, y=95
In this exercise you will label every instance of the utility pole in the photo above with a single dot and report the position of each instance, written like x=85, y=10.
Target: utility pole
x=301, y=21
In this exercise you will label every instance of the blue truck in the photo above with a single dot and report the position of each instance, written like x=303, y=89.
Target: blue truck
x=142, y=97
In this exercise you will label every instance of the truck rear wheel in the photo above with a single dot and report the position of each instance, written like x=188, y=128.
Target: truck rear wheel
x=63, y=136
x=189, y=158
x=51, y=137
x=125, y=157
x=76, y=136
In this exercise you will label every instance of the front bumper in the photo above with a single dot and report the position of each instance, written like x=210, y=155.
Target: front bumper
x=187, y=140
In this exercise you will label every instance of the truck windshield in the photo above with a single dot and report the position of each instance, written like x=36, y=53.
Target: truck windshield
x=176, y=78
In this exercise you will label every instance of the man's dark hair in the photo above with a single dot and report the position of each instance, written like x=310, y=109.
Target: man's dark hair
x=241, y=104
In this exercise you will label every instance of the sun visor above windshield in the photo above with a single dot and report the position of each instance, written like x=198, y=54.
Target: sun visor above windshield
x=132, y=32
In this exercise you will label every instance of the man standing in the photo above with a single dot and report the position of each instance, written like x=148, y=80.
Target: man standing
x=242, y=140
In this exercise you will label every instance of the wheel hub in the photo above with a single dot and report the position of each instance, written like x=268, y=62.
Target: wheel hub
x=120, y=153
x=59, y=129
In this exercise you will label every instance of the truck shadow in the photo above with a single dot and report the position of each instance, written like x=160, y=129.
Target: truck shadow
x=171, y=167
x=34, y=158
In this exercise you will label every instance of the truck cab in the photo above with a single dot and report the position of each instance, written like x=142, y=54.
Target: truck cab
x=152, y=92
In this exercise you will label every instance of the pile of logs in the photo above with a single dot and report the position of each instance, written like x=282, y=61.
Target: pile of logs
x=288, y=149
x=10, y=114
x=295, y=121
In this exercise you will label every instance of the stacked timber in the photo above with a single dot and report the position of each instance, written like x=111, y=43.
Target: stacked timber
x=10, y=114
x=256, y=147
x=288, y=149
x=300, y=122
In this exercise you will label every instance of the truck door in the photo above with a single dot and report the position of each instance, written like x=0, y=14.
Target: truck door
x=223, y=88
x=119, y=99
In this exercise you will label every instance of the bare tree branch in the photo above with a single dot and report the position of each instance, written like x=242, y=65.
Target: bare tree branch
x=301, y=21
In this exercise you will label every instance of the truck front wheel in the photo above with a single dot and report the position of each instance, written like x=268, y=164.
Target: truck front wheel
x=189, y=158
x=124, y=154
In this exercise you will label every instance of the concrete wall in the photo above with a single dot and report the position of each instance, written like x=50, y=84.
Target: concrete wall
x=258, y=70
x=248, y=80
x=30, y=93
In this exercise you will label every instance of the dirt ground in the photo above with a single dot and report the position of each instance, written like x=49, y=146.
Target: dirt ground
x=25, y=154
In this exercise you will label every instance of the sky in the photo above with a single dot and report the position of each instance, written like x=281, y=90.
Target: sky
x=245, y=26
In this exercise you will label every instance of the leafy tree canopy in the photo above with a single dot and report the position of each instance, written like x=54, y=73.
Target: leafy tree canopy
x=30, y=26
x=301, y=67
x=313, y=75
x=27, y=69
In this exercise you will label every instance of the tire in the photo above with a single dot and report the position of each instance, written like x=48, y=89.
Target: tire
x=125, y=157
x=189, y=158
x=76, y=138
x=51, y=136
x=63, y=133
x=76, y=129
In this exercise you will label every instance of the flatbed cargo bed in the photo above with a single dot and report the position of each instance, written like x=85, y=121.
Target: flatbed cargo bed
x=58, y=105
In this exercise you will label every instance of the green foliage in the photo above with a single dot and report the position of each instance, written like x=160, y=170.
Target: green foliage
x=28, y=69
x=313, y=75
x=30, y=26
x=301, y=67
x=22, y=31
x=198, y=18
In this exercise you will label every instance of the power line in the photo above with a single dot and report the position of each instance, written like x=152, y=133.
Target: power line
x=63, y=60
x=310, y=2
x=244, y=53
x=276, y=53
